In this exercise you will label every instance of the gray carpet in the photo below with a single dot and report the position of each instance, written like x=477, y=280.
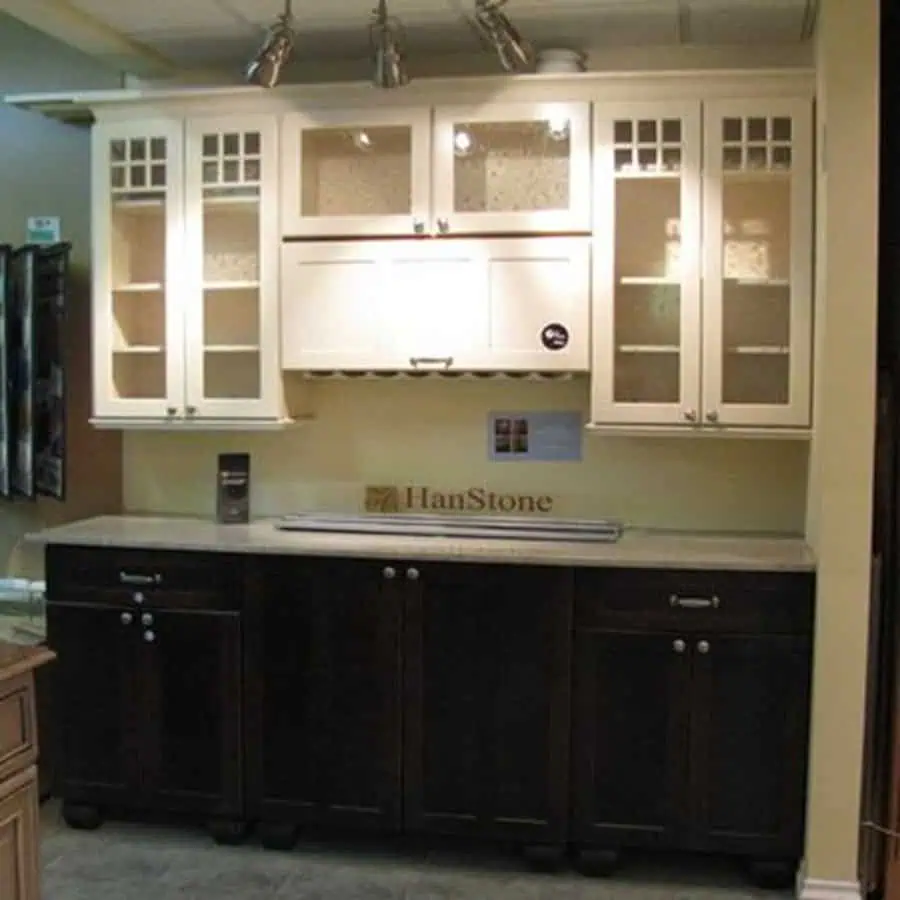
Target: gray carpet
x=131, y=862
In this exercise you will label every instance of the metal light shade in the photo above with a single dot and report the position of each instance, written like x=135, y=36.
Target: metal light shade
x=265, y=69
x=515, y=53
x=388, y=54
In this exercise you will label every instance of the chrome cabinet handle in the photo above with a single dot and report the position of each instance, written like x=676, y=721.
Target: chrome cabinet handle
x=144, y=580
x=412, y=574
x=443, y=226
x=146, y=619
x=390, y=572
x=138, y=597
x=679, y=645
x=445, y=361
x=694, y=602
x=712, y=416
x=703, y=646
x=126, y=618
x=690, y=415
x=149, y=636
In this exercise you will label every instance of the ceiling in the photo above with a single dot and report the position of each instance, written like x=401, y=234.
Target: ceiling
x=164, y=36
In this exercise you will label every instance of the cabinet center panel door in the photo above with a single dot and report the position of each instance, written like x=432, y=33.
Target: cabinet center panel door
x=191, y=736
x=98, y=702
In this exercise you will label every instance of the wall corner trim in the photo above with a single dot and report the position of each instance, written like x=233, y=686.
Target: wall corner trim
x=818, y=889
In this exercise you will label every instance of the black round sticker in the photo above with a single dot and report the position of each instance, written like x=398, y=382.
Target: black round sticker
x=555, y=336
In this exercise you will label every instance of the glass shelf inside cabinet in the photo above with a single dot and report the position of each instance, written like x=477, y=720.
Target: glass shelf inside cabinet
x=231, y=175
x=647, y=309
x=512, y=166
x=356, y=171
x=757, y=156
x=138, y=181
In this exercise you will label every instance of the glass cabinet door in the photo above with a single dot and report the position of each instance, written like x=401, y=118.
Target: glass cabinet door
x=512, y=168
x=138, y=336
x=232, y=316
x=758, y=263
x=351, y=173
x=646, y=331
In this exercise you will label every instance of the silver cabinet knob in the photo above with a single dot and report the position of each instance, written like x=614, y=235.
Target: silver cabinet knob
x=146, y=619
x=690, y=415
x=126, y=618
x=412, y=574
x=171, y=410
x=679, y=646
x=149, y=636
x=703, y=646
x=712, y=416
x=139, y=597
x=191, y=410
x=419, y=226
x=389, y=572
x=443, y=225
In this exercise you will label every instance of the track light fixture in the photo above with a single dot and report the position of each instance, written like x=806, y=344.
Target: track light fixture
x=515, y=53
x=265, y=69
x=387, y=42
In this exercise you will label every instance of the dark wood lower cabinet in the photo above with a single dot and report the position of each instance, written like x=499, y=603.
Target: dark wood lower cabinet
x=603, y=709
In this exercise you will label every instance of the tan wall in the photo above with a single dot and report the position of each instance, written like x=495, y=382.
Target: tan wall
x=45, y=171
x=840, y=507
x=435, y=433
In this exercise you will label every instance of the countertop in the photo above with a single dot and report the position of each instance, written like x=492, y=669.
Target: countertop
x=637, y=549
x=16, y=659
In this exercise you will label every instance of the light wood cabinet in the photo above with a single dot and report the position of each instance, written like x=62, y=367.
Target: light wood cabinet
x=488, y=169
x=463, y=305
x=19, y=871
x=703, y=264
x=186, y=271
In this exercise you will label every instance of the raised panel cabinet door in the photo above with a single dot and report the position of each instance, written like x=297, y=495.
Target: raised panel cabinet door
x=630, y=724
x=758, y=262
x=324, y=701
x=749, y=739
x=138, y=269
x=487, y=674
x=512, y=168
x=191, y=702
x=646, y=275
x=232, y=240
x=19, y=839
x=353, y=173
x=97, y=702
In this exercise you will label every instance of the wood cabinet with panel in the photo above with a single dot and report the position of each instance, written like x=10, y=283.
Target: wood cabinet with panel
x=186, y=271
x=703, y=265
x=501, y=304
x=519, y=168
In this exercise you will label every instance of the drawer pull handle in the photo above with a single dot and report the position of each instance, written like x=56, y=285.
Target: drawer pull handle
x=130, y=578
x=694, y=602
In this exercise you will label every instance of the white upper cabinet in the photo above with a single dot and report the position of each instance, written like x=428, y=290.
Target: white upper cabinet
x=445, y=306
x=138, y=326
x=512, y=168
x=231, y=238
x=647, y=309
x=757, y=261
x=356, y=172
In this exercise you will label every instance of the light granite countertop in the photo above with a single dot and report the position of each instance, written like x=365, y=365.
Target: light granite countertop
x=638, y=549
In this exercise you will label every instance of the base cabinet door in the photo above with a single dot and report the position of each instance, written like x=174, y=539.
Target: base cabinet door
x=323, y=711
x=19, y=850
x=630, y=738
x=487, y=656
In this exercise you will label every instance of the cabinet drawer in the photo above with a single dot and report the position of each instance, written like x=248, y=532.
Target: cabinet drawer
x=694, y=600
x=18, y=733
x=120, y=577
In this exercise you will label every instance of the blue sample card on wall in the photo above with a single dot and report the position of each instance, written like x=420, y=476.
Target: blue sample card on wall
x=529, y=436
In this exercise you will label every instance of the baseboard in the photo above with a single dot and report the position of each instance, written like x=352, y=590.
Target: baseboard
x=819, y=889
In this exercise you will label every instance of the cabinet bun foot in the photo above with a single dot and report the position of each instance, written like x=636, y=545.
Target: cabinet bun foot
x=596, y=862
x=81, y=816
x=277, y=836
x=772, y=874
x=544, y=857
x=227, y=832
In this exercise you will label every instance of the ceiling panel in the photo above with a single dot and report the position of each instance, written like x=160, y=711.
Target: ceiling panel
x=759, y=21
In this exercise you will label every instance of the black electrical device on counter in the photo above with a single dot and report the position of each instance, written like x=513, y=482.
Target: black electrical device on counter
x=33, y=360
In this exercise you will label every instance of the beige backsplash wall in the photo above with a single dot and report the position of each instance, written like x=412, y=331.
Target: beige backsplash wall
x=434, y=433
